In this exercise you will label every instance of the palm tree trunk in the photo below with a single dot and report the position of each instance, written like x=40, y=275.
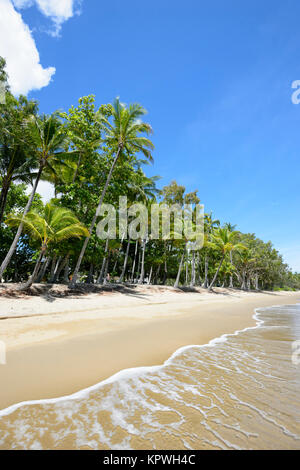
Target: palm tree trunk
x=193, y=277
x=115, y=264
x=90, y=277
x=100, y=278
x=66, y=272
x=118, y=254
x=141, y=279
x=125, y=262
x=243, y=286
x=165, y=264
x=86, y=241
x=134, y=261
x=43, y=270
x=179, y=271
x=61, y=266
x=58, y=263
x=150, y=276
x=13, y=247
x=155, y=280
x=138, y=271
x=33, y=276
x=231, y=277
x=199, y=269
x=216, y=274
x=205, y=285
x=3, y=196
x=53, y=266
x=165, y=272
x=186, y=271
x=106, y=270
x=165, y=267
x=256, y=282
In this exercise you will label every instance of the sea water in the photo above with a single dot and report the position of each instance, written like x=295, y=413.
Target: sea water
x=240, y=391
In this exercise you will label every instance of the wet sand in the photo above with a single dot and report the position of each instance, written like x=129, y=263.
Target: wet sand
x=59, y=346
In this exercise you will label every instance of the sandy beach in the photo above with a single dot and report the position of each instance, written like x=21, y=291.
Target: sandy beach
x=57, y=346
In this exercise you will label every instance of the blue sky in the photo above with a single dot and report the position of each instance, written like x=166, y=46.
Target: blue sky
x=216, y=79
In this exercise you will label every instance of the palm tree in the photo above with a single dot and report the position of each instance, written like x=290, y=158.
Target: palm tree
x=124, y=138
x=179, y=270
x=125, y=261
x=60, y=172
x=101, y=275
x=209, y=226
x=227, y=270
x=193, y=275
x=225, y=242
x=16, y=167
x=142, y=188
x=134, y=260
x=231, y=228
x=16, y=158
x=142, y=273
x=53, y=226
x=49, y=140
x=189, y=246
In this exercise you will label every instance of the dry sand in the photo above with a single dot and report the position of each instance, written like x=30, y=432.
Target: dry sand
x=57, y=346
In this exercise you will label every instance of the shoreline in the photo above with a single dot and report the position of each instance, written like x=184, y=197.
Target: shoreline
x=56, y=354
x=127, y=372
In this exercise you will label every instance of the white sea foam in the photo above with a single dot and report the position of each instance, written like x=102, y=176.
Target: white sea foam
x=132, y=372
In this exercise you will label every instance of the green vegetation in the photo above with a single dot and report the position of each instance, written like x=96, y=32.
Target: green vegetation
x=49, y=227
x=92, y=156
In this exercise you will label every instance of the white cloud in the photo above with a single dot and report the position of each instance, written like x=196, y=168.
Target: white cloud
x=45, y=189
x=58, y=11
x=18, y=48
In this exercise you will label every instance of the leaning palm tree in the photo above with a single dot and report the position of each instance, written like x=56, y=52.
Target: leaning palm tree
x=17, y=160
x=53, y=226
x=49, y=140
x=231, y=228
x=17, y=166
x=60, y=172
x=224, y=241
x=183, y=253
x=123, y=137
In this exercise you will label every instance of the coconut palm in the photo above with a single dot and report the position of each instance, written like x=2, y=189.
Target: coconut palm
x=16, y=167
x=16, y=158
x=223, y=241
x=60, y=173
x=101, y=275
x=124, y=137
x=231, y=228
x=125, y=261
x=176, y=284
x=50, y=228
x=142, y=266
x=49, y=140
x=209, y=225
x=143, y=188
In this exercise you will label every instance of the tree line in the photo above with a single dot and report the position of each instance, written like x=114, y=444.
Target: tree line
x=91, y=156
